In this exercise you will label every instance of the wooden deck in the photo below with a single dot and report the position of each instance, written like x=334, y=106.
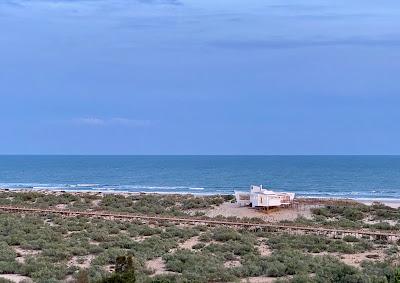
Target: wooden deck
x=210, y=222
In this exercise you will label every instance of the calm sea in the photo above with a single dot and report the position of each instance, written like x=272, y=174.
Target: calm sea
x=360, y=177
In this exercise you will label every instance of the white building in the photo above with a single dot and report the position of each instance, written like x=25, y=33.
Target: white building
x=259, y=197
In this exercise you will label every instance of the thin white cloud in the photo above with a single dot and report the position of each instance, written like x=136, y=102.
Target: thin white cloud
x=117, y=121
x=281, y=43
x=90, y=121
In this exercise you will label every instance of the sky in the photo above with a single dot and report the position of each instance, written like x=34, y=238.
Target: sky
x=199, y=77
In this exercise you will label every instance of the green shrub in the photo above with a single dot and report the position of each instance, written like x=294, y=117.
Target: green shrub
x=350, y=239
x=316, y=244
x=225, y=234
x=7, y=259
x=42, y=270
x=166, y=279
x=199, y=246
x=331, y=270
x=380, y=271
x=198, y=266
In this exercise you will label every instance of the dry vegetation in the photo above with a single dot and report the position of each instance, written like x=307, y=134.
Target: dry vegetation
x=51, y=248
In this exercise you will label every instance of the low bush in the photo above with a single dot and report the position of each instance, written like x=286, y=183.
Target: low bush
x=225, y=234
x=316, y=244
x=198, y=266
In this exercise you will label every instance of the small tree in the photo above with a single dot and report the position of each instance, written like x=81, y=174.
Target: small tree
x=397, y=275
x=124, y=271
x=123, y=264
x=82, y=277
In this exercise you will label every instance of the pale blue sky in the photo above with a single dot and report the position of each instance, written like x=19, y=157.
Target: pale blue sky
x=200, y=77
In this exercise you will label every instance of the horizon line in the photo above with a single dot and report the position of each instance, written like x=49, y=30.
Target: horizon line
x=166, y=155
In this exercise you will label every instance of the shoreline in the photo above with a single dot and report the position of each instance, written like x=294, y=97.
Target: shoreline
x=393, y=203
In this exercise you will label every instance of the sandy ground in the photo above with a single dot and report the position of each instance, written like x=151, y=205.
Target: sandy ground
x=264, y=249
x=158, y=266
x=96, y=202
x=228, y=209
x=109, y=268
x=356, y=259
x=61, y=206
x=391, y=203
x=232, y=209
x=189, y=243
x=15, y=278
x=262, y=279
x=390, y=222
x=22, y=254
x=232, y=263
x=140, y=238
x=82, y=262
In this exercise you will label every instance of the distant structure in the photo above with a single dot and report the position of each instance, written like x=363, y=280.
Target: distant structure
x=263, y=198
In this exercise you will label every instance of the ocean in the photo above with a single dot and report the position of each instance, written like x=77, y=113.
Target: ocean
x=360, y=177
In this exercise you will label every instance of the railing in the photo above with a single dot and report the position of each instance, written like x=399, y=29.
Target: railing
x=103, y=214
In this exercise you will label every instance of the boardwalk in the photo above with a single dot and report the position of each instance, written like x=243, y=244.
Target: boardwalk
x=264, y=226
